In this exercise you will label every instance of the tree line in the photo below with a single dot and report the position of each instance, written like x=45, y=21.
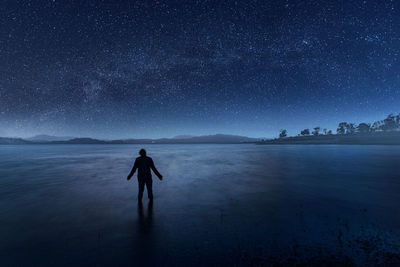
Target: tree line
x=390, y=123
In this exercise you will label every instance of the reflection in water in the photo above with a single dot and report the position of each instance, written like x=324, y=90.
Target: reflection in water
x=145, y=241
x=145, y=220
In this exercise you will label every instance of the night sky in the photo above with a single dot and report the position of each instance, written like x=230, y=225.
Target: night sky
x=164, y=68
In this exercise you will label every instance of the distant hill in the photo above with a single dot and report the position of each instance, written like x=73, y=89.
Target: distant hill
x=80, y=141
x=48, y=138
x=183, y=136
x=376, y=138
x=206, y=139
x=180, y=139
x=12, y=141
x=217, y=139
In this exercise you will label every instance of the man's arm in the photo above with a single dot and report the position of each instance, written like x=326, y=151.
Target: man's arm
x=132, y=171
x=155, y=170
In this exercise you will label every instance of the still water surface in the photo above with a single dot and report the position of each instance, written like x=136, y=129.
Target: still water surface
x=231, y=204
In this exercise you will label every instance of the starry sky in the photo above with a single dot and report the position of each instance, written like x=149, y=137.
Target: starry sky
x=120, y=69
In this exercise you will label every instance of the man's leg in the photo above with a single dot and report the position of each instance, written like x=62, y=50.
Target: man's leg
x=141, y=189
x=149, y=185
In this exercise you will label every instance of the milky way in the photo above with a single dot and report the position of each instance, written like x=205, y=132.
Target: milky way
x=159, y=69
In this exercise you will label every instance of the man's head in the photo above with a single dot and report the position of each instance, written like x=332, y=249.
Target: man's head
x=142, y=152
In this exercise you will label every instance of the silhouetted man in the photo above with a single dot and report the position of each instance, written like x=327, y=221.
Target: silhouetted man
x=144, y=164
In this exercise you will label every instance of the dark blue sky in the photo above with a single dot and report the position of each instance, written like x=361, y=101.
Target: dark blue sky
x=163, y=68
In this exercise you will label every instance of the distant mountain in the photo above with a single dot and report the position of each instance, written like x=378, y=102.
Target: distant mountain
x=185, y=139
x=131, y=141
x=12, y=141
x=180, y=139
x=205, y=139
x=217, y=139
x=81, y=141
x=48, y=138
x=183, y=136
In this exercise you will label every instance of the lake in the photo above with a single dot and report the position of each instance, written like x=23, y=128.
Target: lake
x=217, y=204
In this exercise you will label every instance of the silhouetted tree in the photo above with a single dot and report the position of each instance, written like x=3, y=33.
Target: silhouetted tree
x=341, y=128
x=305, y=132
x=376, y=126
x=389, y=124
x=282, y=133
x=364, y=128
x=350, y=129
x=316, y=131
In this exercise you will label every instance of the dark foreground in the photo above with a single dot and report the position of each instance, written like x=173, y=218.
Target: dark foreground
x=218, y=205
